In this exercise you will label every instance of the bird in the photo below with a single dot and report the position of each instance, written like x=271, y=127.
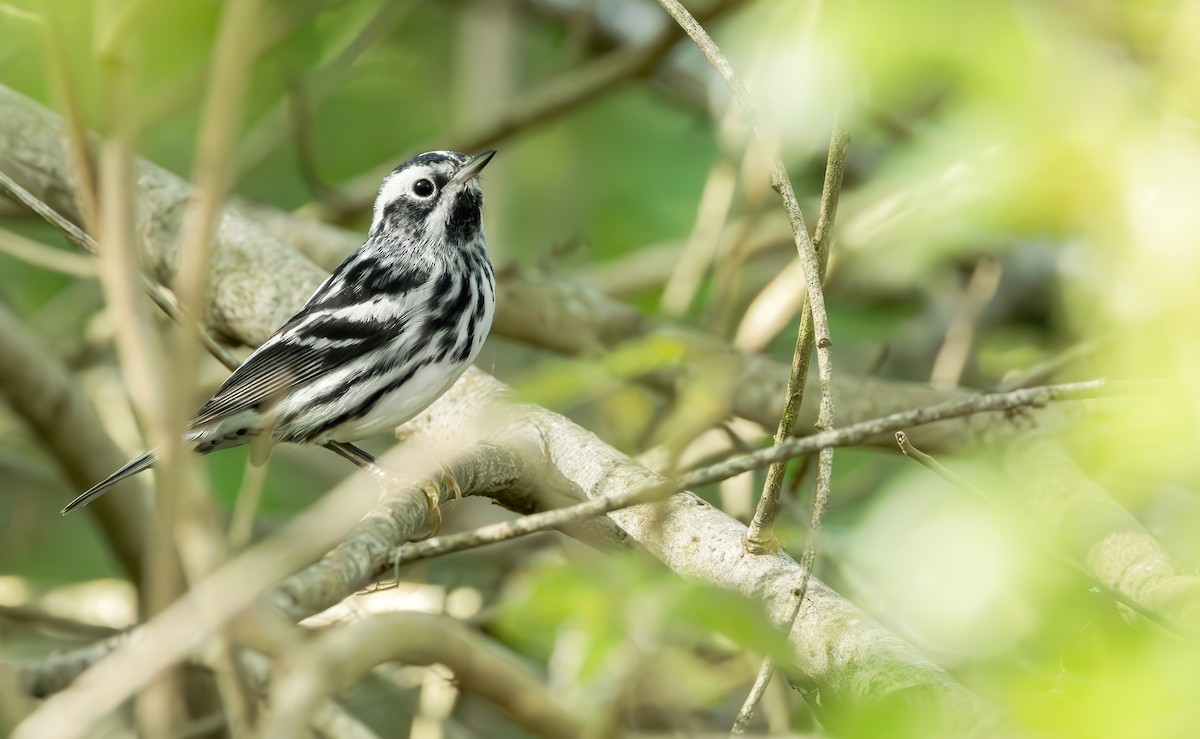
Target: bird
x=385, y=335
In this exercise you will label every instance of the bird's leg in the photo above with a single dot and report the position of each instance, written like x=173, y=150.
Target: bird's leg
x=351, y=453
x=430, y=488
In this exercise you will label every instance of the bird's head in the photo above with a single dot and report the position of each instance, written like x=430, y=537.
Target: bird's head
x=432, y=199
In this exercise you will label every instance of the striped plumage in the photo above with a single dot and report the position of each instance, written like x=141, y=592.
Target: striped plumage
x=387, y=333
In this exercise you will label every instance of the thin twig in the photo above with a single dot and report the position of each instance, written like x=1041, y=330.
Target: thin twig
x=201, y=544
x=158, y=295
x=815, y=298
x=937, y=467
x=531, y=524
x=66, y=87
x=1043, y=371
x=866, y=430
x=952, y=357
x=850, y=435
x=558, y=97
x=759, y=536
x=245, y=507
x=700, y=250
x=783, y=185
x=45, y=256
x=338, y=657
x=138, y=343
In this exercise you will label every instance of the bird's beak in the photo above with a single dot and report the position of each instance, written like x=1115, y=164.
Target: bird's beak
x=473, y=167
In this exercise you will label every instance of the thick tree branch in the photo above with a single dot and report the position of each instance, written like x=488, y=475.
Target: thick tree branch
x=1099, y=533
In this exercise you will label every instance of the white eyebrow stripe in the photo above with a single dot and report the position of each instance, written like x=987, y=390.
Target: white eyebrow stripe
x=396, y=185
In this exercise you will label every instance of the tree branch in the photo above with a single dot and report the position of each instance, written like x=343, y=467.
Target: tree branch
x=246, y=303
x=759, y=536
x=42, y=392
x=340, y=656
x=562, y=95
x=854, y=663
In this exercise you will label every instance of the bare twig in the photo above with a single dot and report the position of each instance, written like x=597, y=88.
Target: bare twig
x=167, y=638
x=861, y=432
x=245, y=507
x=815, y=299
x=138, y=343
x=201, y=544
x=952, y=357
x=1043, y=371
x=47, y=257
x=558, y=97
x=712, y=212
x=850, y=435
x=505, y=530
x=340, y=656
x=67, y=92
x=783, y=185
x=937, y=467
x=759, y=536
x=80, y=237
x=37, y=617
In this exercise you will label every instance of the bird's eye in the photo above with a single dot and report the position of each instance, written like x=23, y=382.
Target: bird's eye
x=423, y=188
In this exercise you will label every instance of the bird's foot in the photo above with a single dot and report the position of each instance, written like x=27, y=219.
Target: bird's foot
x=432, y=490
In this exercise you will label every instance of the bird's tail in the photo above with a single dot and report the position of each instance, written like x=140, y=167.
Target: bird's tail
x=131, y=468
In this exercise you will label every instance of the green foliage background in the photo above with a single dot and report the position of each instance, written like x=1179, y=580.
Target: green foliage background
x=1059, y=140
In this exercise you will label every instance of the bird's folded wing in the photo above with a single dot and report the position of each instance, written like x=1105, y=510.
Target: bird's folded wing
x=301, y=352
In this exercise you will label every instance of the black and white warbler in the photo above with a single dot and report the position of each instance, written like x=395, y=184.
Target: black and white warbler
x=383, y=337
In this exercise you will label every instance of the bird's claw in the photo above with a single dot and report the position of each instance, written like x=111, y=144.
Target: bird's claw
x=431, y=489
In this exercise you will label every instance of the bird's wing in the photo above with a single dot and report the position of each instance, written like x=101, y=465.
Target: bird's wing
x=324, y=336
x=266, y=376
